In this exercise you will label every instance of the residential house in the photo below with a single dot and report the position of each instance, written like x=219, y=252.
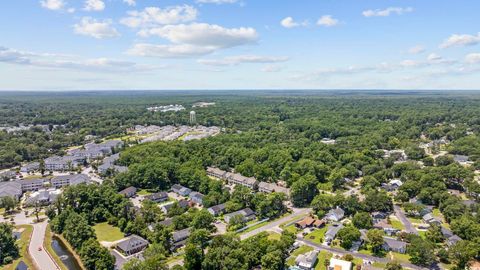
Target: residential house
x=394, y=245
x=238, y=179
x=166, y=207
x=167, y=222
x=70, y=180
x=271, y=187
x=181, y=190
x=132, y=245
x=319, y=223
x=446, y=232
x=33, y=184
x=331, y=233
x=7, y=175
x=157, y=197
x=392, y=185
x=379, y=215
x=65, y=163
x=196, y=197
x=327, y=141
x=217, y=210
x=246, y=214
x=461, y=159
x=43, y=197
x=11, y=189
x=304, y=223
x=335, y=214
x=383, y=225
x=216, y=172
x=30, y=167
x=430, y=219
x=452, y=240
x=179, y=238
x=129, y=192
x=337, y=264
x=109, y=164
x=307, y=261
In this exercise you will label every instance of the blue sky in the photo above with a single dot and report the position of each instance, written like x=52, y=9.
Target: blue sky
x=239, y=44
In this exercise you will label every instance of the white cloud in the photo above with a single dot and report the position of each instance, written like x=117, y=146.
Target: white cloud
x=53, y=4
x=461, y=40
x=48, y=60
x=271, y=68
x=416, y=49
x=169, y=51
x=218, y=2
x=240, y=59
x=434, y=57
x=203, y=34
x=130, y=2
x=94, y=5
x=154, y=16
x=410, y=63
x=473, y=58
x=289, y=22
x=327, y=20
x=386, y=12
x=97, y=29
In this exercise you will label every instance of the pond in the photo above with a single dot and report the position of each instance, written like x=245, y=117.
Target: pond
x=67, y=258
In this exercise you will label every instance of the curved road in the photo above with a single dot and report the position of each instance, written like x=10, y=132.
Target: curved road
x=41, y=258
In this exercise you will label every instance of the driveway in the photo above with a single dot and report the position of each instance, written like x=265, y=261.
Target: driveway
x=406, y=222
x=41, y=258
x=269, y=226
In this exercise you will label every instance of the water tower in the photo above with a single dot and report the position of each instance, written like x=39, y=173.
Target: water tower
x=193, y=118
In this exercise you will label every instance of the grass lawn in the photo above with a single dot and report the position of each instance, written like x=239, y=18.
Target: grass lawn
x=379, y=265
x=422, y=233
x=298, y=251
x=273, y=236
x=2, y=210
x=365, y=251
x=106, y=232
x=415, y=220
x=47, y=243
x=317, y=235
x=291, y=229
x=23, y=249
x=144, y=192
x=403, y=258
x=397, y=224
x=322, y=257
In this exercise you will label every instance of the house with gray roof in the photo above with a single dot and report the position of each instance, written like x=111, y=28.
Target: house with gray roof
x=331, y=233
x=70, y=180
x=181, y=190
x=157, y=197
x=394, y=245
x=238, y=179
x=11, y=189
x=430, y=219
x=217, y=210
x=335, y=214
x=132, y=245
x=129, y=192
x=452, y=240
x=247, y=214
x=196, y=197
x=65, y=163
x=272, y=187
x=33, y=184
x=7, y=175
x=307, y=261
x=109, y=164
x=216, y=172
x=43, y=197
x=179, y=238
x=30, y=167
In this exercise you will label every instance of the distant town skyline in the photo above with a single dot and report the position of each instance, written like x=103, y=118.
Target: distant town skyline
x=239, y=44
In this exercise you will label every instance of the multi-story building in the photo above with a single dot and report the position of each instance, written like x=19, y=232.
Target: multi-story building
x=69, y=180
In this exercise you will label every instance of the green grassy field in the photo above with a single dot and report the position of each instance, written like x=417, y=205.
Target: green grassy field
x=23, y=248
x=322, y=257
x=107, y=232
x=317, y=235
x=291, y=229
x=273, y=236
x=403, y=258
x=144, y=192
x=397, y=224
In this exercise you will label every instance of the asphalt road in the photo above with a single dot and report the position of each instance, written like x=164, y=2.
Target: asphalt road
x=40, y=257
x=358, y=255
x=406, y=222
x=271, y=225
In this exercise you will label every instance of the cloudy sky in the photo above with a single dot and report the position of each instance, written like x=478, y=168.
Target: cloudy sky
x=239, y=44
